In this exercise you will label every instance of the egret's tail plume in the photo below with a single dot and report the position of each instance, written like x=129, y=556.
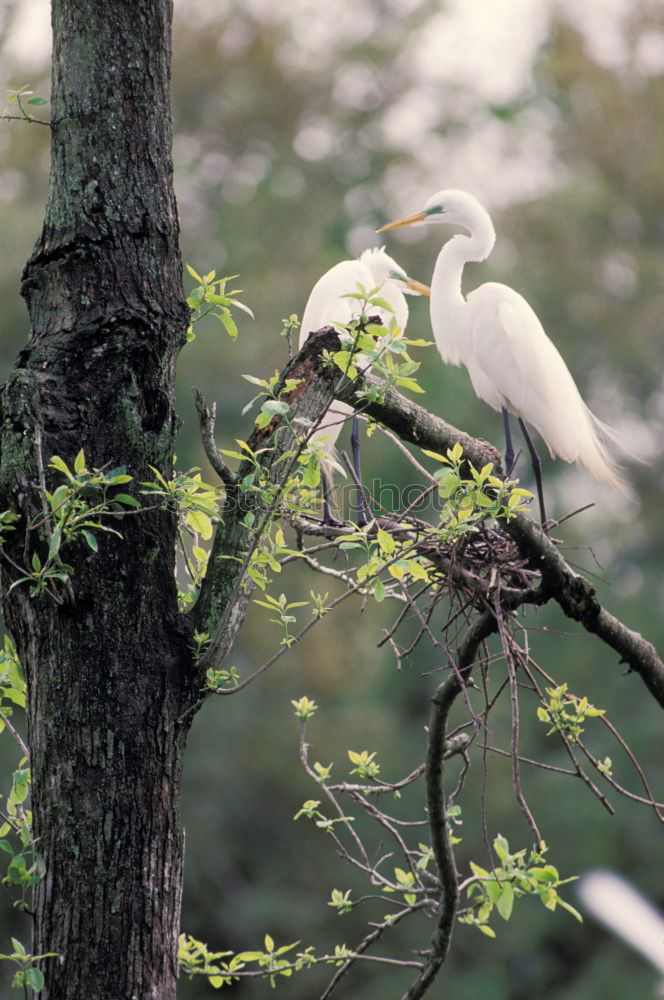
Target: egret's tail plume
x=596, y=458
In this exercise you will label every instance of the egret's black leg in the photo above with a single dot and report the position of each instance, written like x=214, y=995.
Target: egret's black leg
x=537, y=468
x=327, y=513
x=509, y=450
x=362, y=516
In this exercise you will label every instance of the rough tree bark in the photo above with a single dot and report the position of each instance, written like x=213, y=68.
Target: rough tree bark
x=107, y=673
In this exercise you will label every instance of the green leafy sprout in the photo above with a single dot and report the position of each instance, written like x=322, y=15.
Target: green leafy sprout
x=211, y=298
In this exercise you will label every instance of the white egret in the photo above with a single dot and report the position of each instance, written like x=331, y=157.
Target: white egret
x=329, y=304
x=512, y=364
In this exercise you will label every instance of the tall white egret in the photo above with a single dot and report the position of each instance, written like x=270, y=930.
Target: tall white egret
x=328, y=304
x=512, y=364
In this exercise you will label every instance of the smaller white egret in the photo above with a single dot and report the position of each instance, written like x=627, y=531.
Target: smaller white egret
x=512, y=364
x=328, y=304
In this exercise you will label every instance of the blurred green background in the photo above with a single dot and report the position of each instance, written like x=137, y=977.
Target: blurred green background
x=298, y=129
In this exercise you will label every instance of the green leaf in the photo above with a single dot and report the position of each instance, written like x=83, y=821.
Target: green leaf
x=243, y=307
x=57, y=463
x=79, y=463
x=126, y=499
x=311, y=476
x=34, y=977
x=37, y=100
x=501, y=847
x=379, y=591
x=193, y=273
x=435, y=455
x=381, y=304
x=505, y=901
x=409, y=383
x=55, y=543
x=195, y=298
x=570, y=909
x=230, y=325
x=275, y=406
x=200, y=523
x=91, y=540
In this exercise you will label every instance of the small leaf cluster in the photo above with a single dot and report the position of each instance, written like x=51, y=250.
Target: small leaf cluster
x=210, y=297
x=320, y=608
x=566, y=713
x=12, y=681
x=75, y=510
x=383, y=348
x=24, y=96
x=223, y=968
x=194, y=500
x=28, y=975
x=471, y=498
x=257, y=491
x=512, y=878
x=305, y=708
x=196, y=505
x=341, y=901
x=382, y=551
x=404, y=883
x=310, y=808
x=273, y=405
x=365, y=765
x=281, y=607
x=25, y=866
x=8, y=519
x=221, y=678
x=265, y=558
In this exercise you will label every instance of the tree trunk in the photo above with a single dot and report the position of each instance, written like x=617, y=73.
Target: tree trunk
x=109, y=673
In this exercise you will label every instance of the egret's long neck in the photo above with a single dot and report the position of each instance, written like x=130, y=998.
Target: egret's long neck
x=457, y=252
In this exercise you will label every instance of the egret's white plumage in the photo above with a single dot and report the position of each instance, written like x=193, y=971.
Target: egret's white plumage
x=497, y=336
x=328, y=305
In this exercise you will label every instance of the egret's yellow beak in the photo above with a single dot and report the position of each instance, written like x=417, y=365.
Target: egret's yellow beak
x=418, y=287
x=408, y=221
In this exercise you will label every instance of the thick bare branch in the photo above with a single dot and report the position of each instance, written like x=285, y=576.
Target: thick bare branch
x=226, y=589
x=575, y=595
x=578, y=600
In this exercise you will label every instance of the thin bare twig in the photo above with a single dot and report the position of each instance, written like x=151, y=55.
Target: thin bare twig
x=516, y=770
x=15, y=733
x=206, y=419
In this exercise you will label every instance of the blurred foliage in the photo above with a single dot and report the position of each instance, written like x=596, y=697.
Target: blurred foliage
x=287, y=156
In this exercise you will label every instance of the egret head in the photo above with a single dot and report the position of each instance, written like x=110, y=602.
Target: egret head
x=383, y=269
x=454, y=207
